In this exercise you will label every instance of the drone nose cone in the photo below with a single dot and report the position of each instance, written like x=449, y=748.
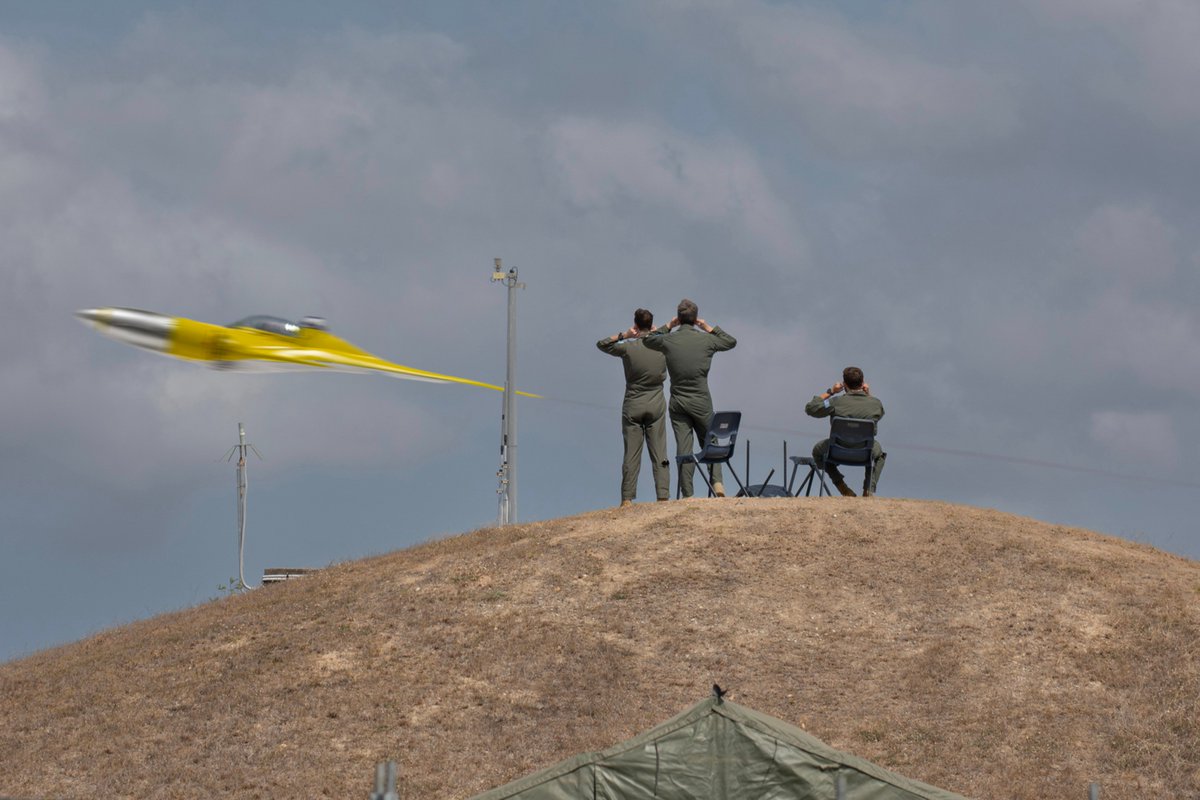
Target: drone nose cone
x=141, y=328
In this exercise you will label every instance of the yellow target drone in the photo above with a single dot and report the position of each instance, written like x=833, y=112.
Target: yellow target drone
x=258, y=343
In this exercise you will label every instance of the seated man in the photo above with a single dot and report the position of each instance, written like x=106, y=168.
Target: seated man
x=856, y=403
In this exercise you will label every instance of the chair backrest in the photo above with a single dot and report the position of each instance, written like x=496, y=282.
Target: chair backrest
x=722, y=435
x=851, y=440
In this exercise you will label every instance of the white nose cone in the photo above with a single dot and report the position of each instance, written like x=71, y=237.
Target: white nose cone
x=130, y=325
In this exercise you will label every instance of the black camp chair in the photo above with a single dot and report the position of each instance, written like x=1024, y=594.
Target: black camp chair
x=718, y=449
x=851, y=442
x=815, y=474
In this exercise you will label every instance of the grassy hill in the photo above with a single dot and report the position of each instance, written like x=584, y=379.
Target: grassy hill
x=991, y=655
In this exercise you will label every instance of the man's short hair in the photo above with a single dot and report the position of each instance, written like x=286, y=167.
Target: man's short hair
x=852, y=377
x=643, y=319
x=688, y=312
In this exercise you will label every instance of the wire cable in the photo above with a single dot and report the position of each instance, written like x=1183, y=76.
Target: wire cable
x=947, y=451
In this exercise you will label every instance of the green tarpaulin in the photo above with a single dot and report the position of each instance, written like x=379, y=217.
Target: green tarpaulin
x=717, y=750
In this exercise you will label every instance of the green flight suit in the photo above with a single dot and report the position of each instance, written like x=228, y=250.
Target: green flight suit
x=689, y=353
x=856, y=404
x=643, y=414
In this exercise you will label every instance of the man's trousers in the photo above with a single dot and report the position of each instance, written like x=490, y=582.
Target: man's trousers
x=821, y=449
x=690, y=420
x=651, y=428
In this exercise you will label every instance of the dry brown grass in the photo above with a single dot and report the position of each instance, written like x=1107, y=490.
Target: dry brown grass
x=992, y=655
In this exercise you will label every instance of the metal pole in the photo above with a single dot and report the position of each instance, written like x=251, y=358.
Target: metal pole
x=502, y=473
x=1094, y=791
x=748, y=469
x=240, y=450
x=840, y=787
x=508, y=418
x=510, y=397
x=241, y=482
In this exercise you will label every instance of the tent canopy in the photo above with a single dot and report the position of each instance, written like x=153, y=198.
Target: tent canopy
x=717, y=750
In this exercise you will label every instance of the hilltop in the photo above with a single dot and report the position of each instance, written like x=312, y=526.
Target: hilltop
x=992, y=655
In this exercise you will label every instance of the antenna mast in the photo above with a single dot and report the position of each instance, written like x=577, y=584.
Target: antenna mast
x=240, y=449
x=508, y=415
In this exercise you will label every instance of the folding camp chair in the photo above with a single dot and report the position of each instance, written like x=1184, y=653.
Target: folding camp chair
x=851, y=443
x=814, y=473
x=718, y=449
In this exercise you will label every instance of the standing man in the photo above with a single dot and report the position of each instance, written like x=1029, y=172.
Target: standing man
x=643, y=411
x=689, y=351
x=856, y=403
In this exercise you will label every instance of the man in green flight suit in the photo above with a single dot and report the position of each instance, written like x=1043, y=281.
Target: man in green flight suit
x=643, y=411
x=856, y=403
x=689, y=351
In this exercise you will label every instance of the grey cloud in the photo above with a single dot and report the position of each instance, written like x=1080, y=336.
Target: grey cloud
x=860, y=97
x=1129, y=243
x=857, y=90
x=1147, y=437
x=22, y=96
x=631, y=165
x=1158, y=343
x=1161, y=63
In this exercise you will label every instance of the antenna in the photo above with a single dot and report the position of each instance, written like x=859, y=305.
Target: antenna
x=507, y=473
x=240, y=449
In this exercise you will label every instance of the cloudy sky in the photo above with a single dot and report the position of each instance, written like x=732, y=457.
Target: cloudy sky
x=990, y=207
